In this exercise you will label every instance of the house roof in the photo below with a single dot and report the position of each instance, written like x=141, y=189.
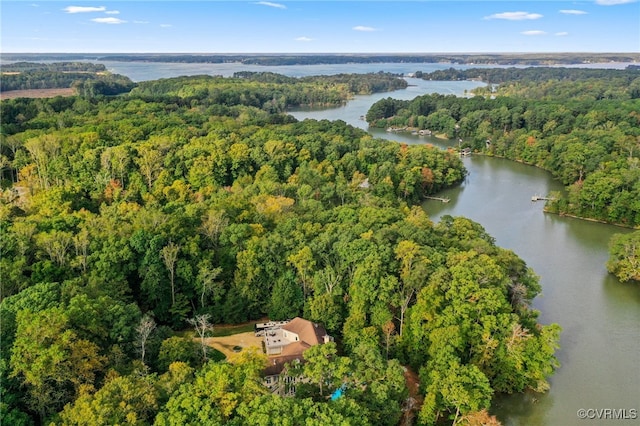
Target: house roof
x=277, y=363
x=309, y=333
x=296, y=348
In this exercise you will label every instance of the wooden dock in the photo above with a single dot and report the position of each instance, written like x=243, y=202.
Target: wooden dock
x=541, y=198
x=444, y=200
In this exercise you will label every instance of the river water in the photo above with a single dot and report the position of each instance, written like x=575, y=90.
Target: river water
x=600, y=317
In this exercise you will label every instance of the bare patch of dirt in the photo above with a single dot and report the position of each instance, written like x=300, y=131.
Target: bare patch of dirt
x=226, y=344
x=413, y=404
x=37, y=93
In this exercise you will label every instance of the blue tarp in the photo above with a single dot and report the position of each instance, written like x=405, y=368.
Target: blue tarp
x=338, y=393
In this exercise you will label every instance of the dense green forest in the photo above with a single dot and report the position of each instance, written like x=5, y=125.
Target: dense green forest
x=529, y=74
x=122, y=218
x=266, y=91
x=586, y=132
x=359, y=84
x=87, y=79
x=272, y=92
x=60, y=67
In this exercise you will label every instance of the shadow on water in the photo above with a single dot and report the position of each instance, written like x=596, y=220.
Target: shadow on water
x=435, y=208
x=528, y=408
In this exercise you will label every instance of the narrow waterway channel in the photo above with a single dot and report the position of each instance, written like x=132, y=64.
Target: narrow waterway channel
x=600, y=317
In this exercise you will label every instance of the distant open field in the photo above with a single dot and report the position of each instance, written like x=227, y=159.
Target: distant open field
x=37, y=93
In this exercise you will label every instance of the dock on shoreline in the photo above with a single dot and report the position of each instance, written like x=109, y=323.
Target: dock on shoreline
x=541, y=198
x=444, y=200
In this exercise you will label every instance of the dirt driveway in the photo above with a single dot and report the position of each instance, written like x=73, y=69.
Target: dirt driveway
x=225, y=344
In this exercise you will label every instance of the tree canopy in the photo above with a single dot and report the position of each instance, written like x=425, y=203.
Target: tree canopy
x=624, y=260
x=125, y=219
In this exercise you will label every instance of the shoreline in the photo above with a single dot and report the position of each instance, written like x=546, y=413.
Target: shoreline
x=589, y=219
x=546, y=209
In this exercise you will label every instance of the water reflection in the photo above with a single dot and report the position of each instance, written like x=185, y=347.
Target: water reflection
x=528, y=408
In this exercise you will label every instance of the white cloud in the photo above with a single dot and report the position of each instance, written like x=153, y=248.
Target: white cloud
x=166, y=25
x=270, y=4
x=613, y=2
x=112, y=12
x=84, y=9
x=533, y=33
x=110, y=20
x=562, y=34
x=514, y=16
x=303, y=39
x=363, y=28
x=573, y=12
x=140, y=22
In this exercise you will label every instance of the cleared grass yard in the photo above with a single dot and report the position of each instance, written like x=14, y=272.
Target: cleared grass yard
x=227, y=336
x=226, y=344
x=229, y=330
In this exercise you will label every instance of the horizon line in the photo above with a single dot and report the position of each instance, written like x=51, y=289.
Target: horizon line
x=328, y=53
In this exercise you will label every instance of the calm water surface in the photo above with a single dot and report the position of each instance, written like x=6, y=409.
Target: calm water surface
x=600, y=317
x=142, y=71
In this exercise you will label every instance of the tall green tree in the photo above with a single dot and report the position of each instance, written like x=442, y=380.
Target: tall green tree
x=51, y=361
x=624, y=260
x=216, y=392
x=324, y=368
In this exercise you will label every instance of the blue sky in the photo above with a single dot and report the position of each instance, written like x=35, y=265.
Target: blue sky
x=320, y=26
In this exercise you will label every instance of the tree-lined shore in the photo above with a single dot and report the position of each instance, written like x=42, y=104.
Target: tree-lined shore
x=581, y=125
